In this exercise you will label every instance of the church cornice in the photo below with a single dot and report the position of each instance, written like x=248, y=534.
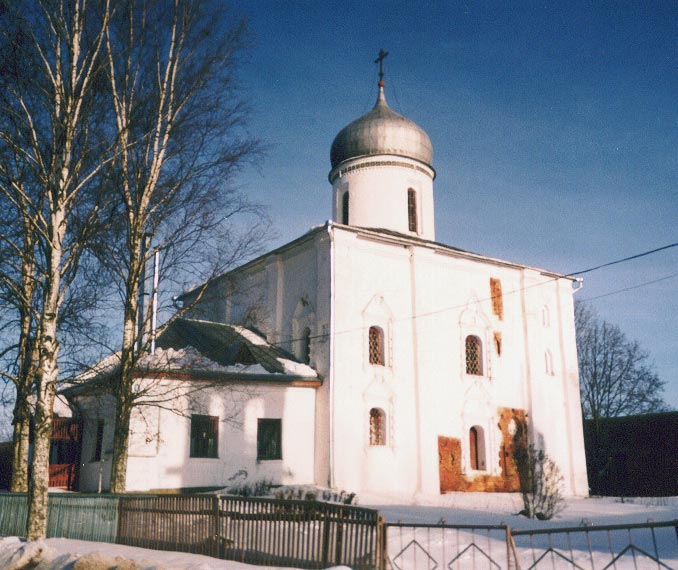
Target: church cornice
x=389, y=236
x=340, y=170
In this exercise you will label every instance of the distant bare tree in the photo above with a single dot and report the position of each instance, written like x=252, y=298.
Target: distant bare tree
x=616, y=375
x=178, y=116
x=616, y=379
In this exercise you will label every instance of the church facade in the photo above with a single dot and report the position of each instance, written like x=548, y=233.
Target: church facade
x=408, y=367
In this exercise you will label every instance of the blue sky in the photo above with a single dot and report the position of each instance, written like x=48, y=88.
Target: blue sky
x=554, y=128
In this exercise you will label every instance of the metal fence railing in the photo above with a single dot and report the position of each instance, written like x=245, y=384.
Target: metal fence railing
x=631, y=546
x=643, y=545
x=428, y=546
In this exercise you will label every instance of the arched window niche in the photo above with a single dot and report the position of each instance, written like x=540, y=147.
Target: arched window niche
x=474, y=355
x=548, y=363
x=412, y=210
x=377, y=427
x=376, y=346
x=545, y=317
x=477, y=454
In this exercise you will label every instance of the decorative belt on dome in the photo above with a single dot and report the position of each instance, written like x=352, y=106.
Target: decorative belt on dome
x=337, y=172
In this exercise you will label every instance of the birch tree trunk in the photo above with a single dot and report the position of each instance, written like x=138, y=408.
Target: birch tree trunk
x=20, y=442
x=56, y=119
x=27, y=365
x=124, y=392
x=169, y=70
x=46, y=383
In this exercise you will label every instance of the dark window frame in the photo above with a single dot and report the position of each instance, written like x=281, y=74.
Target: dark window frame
x=269, y=439
x=477, y=451
x=204, y=437
x=412, y=210
x=344, y=208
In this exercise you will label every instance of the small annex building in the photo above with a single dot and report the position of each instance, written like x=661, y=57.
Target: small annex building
x=363, y=355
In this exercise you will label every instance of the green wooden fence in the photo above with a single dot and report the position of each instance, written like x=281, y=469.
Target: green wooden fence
x=81, y=517
x=13, y=514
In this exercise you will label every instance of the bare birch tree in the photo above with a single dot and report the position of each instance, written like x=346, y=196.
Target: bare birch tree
x=177, y=116
x=50, y=102
x=18, y=284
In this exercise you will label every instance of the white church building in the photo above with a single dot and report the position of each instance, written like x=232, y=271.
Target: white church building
x=363, y=355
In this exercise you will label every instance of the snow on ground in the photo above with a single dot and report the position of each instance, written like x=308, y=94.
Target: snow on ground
x=502, y=508
x=410, y=547
x=65, y=554
x=452, y=508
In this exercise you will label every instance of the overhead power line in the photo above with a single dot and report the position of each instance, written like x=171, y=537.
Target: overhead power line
x=630, y=288
x=669, y=246
x=507, y=293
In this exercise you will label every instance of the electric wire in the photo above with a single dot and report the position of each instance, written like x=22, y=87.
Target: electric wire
x=624, y=259
x=638, y=286
x=506, y=293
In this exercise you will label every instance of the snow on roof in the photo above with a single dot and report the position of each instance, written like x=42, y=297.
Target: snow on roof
x=190, y=359
x=196, y=347
x=221, y=347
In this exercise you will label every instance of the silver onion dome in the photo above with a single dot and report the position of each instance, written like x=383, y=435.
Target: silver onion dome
x=381, y=131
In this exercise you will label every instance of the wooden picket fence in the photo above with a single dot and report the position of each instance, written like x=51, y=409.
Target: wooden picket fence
x=80, y=517
x=303, y=534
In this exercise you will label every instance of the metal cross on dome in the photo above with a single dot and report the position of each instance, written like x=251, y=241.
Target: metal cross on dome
x=380, y=61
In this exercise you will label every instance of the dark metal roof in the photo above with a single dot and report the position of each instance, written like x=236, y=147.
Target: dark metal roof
x=226, y=345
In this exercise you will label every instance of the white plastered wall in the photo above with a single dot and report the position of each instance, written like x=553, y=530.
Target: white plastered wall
x=165, y=463
x=424, y=385
x=288, y=290
x=378, y=194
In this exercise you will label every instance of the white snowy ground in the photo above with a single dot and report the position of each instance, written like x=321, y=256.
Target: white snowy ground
x=454, y=508
x=502, y=508
x=410, y=547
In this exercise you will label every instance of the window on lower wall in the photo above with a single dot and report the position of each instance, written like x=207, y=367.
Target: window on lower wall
x=204, y=436
x=377, y=426
x=477, y=448
x=269, y=436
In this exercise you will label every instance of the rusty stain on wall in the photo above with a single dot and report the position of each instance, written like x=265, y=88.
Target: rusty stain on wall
x=513, y=426
x=497, y=300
